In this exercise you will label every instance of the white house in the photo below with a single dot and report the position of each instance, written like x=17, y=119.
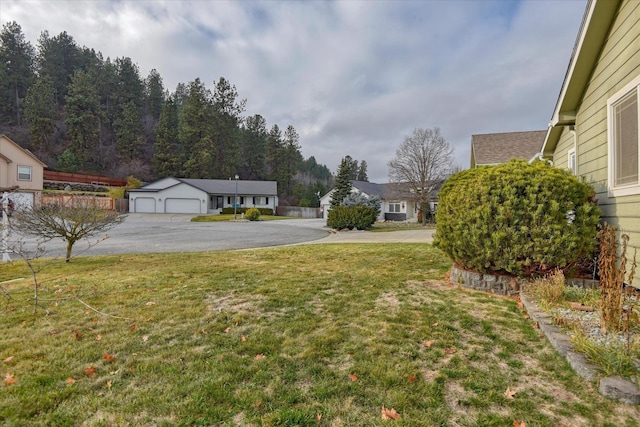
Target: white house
x=202, y=196
x=396, y=201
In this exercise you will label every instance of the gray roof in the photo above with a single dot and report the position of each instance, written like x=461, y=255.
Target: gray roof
x=496, y=148
x=388, y=191
x=228, y=186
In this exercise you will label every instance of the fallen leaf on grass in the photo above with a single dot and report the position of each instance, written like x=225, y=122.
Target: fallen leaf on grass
x=412, y=378
x=98, y=337
x=517, y=423
x=79, y=336
x=90, y=371
x=389, y=414
x=353, y=377
x=109, y=357
x=9, y=379
x=109, y=384
x=526, y=316
x=580, y=307
x=244, y=339
x=226, y=331
x=132, y=327
x=520, y=304
x=450, y=350
x=319, y=417
x=70, y=381
x=428, y=343
x=145, y=338
x=8, y=359
x=509, y=393
x=150, y=303
x=259, y=356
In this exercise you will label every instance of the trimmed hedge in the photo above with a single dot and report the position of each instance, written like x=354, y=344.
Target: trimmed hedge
x=516, y=218
x=263, y=211
x=359, y=216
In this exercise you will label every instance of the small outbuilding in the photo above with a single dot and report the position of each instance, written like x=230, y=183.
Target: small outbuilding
x=202, y=196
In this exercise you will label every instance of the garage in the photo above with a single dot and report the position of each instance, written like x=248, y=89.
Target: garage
x=145, y=205
x=175, y=205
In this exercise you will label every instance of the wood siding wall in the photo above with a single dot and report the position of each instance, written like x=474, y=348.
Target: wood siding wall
x=618, y=64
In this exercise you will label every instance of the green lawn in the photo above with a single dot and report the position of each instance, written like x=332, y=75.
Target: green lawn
x=316, y=335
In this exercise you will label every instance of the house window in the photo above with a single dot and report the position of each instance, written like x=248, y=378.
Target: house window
x=571, y=161
x=260, y=200
x=623, y=141
x=394, y=208
x=24, y=173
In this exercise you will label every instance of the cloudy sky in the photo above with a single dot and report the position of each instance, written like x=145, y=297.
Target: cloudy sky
x=353, y=77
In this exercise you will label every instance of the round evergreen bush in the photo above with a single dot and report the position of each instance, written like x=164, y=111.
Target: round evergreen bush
x=516, y=218
x=252, y=214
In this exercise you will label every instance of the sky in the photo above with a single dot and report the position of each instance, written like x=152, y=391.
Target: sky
x=352, y=77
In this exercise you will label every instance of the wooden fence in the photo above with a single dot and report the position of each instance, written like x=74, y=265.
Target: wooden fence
x=84, y=179
x=73, y=200
x=299, y=212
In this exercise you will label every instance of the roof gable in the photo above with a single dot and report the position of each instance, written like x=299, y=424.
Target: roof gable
x=596, y=24
x=228, y=186
x=496, y=148
x=24, y=150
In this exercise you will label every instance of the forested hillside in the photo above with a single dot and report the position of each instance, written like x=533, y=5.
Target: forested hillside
x=78, y=111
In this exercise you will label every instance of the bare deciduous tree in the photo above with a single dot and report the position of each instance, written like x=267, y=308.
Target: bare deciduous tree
x=423, y=161
x=71, y=222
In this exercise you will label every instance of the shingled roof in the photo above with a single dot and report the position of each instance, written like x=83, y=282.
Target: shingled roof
x=496, y=148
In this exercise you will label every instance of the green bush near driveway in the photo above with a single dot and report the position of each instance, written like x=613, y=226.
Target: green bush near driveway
x=516, y=218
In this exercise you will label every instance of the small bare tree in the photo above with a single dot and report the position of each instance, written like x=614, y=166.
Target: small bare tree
x=70, y=222
x=422, y=163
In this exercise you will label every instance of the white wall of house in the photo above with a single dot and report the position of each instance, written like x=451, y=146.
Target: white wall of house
x=180, y=198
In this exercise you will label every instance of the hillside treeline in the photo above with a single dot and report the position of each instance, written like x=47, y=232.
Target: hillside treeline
x=80, y=112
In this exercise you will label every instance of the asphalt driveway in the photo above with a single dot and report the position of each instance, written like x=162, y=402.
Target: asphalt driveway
x=149, y=233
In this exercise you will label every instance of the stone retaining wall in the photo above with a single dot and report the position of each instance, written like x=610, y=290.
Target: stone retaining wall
x=73, y=186
x=494, y=283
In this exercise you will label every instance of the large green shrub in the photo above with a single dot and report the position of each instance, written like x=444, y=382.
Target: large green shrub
x=350, y=217
x=516, y=218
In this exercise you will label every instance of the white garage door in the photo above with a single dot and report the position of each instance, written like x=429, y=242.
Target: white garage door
x=145, y=205
x=182, y=206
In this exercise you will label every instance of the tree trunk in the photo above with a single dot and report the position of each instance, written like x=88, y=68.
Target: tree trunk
x=68, y=255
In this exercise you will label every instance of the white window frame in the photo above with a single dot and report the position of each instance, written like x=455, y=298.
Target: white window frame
x=399, y=206
x=628, y=189
x=23, y=167
x=572, y=161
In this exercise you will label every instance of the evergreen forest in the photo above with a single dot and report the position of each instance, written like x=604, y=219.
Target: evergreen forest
x=80, y=112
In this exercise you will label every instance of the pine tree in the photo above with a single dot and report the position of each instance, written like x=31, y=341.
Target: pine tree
x=362, y=172
x=40, y=112
x=58, y=57
x=83, y=119
x=342, y=187
x=129, y=132
x=195, y=132
x=168, y=156
x=254, y=146
x=16, y=60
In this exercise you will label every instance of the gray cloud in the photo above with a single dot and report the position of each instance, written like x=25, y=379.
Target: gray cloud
x=353, y=77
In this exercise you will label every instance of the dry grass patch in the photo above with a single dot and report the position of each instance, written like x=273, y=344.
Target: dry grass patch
x=276, y=337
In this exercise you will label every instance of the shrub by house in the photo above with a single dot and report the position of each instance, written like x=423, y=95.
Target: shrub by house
x=516, y=218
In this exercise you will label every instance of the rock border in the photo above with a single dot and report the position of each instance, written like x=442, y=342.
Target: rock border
x=613, y=387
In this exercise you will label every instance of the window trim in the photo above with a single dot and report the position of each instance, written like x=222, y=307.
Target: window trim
x=572, y=161
x=629, y=189
x=30, y=173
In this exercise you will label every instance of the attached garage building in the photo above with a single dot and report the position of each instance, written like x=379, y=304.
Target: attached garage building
x=201, y=196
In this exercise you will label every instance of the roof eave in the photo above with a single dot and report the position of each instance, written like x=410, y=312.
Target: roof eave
x=593, y=32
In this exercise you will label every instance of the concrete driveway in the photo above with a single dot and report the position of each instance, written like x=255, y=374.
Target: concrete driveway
x=149, y=233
